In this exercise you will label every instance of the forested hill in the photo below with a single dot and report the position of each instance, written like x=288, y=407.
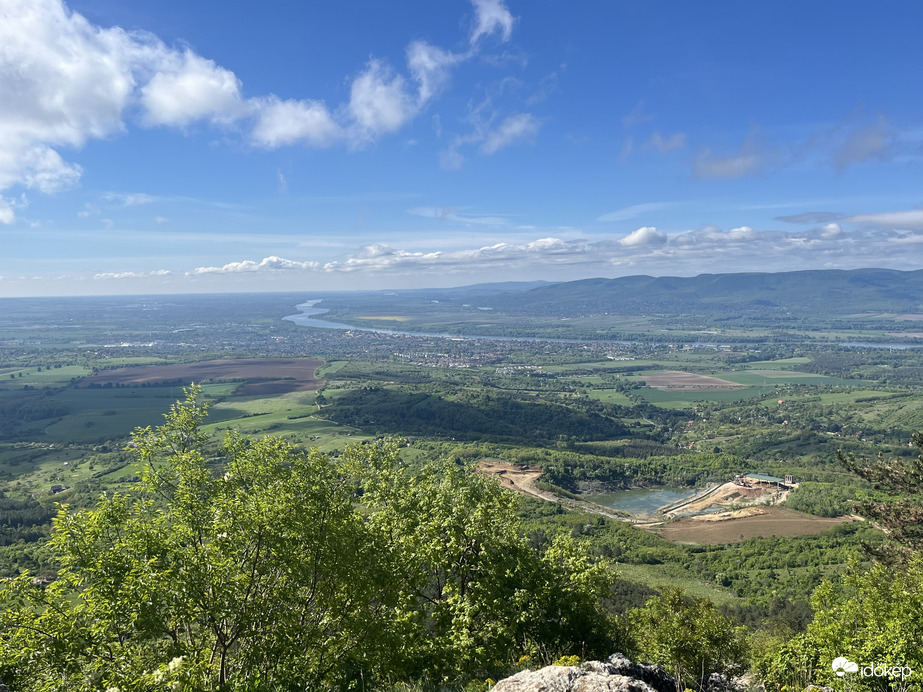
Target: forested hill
x=799, y=293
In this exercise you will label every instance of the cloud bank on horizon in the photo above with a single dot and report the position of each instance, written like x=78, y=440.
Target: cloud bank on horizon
x=518, y=142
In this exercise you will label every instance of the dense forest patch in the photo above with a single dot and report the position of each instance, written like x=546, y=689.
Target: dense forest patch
x=471, y=416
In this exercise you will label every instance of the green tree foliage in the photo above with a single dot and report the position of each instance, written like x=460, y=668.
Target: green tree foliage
x=875, y=617
x=902, y=517
x=22, y=520
x=472, y=590
x=473, y=415
x=256, y=566
x=689, y=637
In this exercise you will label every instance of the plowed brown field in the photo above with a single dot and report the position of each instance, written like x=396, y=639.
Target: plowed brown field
x=739, y=525
x=276, y=375
x=677, y=380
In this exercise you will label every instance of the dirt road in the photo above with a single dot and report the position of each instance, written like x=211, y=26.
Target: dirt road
x=522, y=478
x=519, y=477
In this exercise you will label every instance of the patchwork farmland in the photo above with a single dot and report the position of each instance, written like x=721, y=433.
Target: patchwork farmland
x=263, y=376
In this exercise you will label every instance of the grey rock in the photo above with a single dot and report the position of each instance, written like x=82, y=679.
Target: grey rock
x=615, y=674
x=654, y=676
x=722, y=683
x=548, y=679
x=594, y=682
x=600, y=667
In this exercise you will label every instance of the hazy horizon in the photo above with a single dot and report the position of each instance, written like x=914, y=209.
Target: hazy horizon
x=435, y=287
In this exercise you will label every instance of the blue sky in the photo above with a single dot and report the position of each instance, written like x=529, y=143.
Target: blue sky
x=159, y=147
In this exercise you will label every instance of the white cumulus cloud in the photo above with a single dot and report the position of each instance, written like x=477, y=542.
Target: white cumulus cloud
x=830, y=230
x=646, y=235
x=430, y=67
x=132, y=275
x=283, y=123
x=64, y=81
x=544, y=251
x=266, y=264
x=708, y=249
x=379, y=100
x=187, y=88
x=7, y=215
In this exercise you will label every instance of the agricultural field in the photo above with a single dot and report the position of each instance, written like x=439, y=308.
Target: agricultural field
x=740, y=525
x=65, y=425
x=678, y=380
x=262, y=376
x=609, y=396
x=385, y=318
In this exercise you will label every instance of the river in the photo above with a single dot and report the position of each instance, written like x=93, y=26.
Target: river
x=308, y=314
x=307, y=318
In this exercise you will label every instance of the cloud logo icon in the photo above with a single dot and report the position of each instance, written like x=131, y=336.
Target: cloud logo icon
x=843, y=665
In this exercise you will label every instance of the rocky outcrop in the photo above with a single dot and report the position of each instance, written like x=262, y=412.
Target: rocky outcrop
x=615, y=674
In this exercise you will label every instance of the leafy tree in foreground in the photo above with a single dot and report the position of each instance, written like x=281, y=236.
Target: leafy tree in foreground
x=267, y=568
x=874, y=618
x=262, y=574
x=690, y=638
x=902, y=518
x=471, y=590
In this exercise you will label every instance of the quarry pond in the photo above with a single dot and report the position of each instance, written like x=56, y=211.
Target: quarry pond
x=642, y=502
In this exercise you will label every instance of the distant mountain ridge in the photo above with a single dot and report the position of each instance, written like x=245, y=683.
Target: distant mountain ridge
x=796, y=292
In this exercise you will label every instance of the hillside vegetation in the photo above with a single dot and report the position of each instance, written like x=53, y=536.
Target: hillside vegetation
x=433, y=576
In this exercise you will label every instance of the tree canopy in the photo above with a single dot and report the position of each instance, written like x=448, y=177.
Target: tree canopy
x=254, y=565
x=902, y=516
x=689, y=637
x=873, y=617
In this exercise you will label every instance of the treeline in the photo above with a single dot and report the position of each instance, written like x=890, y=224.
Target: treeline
x=472, y=416
x=569, y=470
x=21, y=409
x=900, y=368
x=24, y=520
x=830, y=499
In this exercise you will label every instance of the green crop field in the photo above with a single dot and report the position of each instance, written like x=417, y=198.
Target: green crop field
x=47, y=377
x=780, y=377
x=684, y=399
x=609, y=396
x=778, y=364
